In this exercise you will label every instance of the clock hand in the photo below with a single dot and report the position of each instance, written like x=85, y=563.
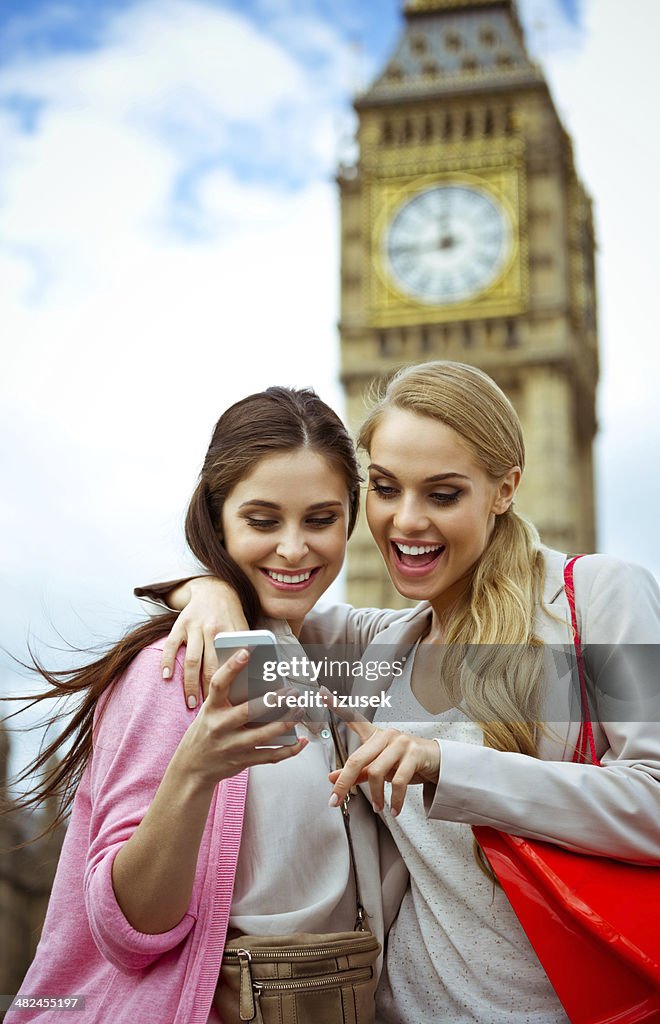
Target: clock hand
x=401, y=248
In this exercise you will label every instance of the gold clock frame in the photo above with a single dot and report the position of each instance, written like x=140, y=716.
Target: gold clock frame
x=504, y=296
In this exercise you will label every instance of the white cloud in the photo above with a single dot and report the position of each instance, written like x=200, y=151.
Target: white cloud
x=161, y=52
x=125, y=337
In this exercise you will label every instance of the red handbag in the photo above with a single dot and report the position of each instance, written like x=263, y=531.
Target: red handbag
x=594, y=922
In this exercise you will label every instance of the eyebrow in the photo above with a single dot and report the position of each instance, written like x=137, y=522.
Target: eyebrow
x=273, y=505
x=428, y=480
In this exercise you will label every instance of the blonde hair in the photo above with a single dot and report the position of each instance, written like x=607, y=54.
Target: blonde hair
x=499, y=685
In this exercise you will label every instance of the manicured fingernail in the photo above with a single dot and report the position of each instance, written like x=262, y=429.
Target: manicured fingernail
x=376, y=808
x=192, y=701
x=242, y=656
x=395, y=813
x=167, y=673
x=333, y=801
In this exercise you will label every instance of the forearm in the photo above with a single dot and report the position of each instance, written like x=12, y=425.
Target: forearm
x=611, y=810
x=154, y=872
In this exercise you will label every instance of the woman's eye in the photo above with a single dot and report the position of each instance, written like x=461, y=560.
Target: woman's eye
x=260, y=524
x=382, y=490
x=322, y=521
x=443, y=498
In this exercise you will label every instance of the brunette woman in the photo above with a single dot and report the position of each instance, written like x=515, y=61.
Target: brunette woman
x=150, y=877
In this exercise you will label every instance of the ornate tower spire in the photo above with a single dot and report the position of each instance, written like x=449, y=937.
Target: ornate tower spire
x=453, y=46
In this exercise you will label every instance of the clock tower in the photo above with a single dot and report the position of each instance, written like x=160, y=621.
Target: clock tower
x=467, y=235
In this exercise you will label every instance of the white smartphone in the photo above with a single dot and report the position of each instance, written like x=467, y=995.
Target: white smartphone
x=250, y=683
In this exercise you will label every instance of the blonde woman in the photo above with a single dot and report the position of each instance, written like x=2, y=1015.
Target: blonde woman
x=446, y=456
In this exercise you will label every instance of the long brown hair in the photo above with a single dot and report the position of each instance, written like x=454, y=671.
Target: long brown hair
x=277, y=420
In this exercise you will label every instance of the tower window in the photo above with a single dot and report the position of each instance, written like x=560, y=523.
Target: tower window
x=418, y=45
x=469, y=64
x=425, y=340
x=487, y=36
x=429, y=67
x=427, y=128
x=468, y=125
x=387, y=135
x=488, y=123
x=395, y=73
x=504, y=60
x=453, y=41
x=511, y=340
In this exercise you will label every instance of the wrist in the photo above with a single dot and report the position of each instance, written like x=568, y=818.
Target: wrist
x=192, y=781
x=432, y=768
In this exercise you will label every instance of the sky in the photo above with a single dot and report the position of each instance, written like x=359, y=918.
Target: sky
x=168, y=244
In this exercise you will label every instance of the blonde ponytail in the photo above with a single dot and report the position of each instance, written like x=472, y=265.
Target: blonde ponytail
x=493, y=663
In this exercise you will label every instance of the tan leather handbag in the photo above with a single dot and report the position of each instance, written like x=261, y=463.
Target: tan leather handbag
x=299, y=979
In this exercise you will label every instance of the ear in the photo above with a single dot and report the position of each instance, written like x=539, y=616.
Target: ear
x=506, y=490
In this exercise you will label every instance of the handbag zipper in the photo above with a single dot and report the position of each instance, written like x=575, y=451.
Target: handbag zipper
x=301, y=954
x=328, y=980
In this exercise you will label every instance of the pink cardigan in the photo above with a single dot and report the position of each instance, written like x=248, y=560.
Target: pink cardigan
x=87, y=947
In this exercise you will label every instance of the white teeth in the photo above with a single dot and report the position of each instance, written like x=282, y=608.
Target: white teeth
x=417, y=549
x=282, y=578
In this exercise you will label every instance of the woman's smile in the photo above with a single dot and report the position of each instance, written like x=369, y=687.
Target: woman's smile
x=416, y=559
x=290, y=580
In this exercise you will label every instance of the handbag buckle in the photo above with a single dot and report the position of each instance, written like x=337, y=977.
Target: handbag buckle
x=361, y=919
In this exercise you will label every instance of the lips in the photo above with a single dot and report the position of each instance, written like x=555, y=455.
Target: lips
x=416, y=559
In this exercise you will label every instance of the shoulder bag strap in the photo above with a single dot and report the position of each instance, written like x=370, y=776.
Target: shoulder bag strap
x=586, y=736
x=361, y=920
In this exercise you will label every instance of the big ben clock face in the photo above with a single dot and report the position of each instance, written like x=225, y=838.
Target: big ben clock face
x=447, y=244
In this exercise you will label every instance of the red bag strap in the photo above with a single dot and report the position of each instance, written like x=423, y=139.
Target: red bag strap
x=586, y=734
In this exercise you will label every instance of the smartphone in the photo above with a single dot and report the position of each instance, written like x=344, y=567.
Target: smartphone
x=250, y=684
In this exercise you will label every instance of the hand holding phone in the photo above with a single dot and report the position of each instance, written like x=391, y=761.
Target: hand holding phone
x=249, y=684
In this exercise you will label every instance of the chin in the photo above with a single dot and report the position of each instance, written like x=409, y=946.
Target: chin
x=286, y=608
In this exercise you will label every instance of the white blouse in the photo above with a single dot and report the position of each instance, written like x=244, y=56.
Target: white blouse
x=294, y=872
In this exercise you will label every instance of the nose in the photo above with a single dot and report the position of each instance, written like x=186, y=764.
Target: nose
x=409, y=515
x=292, y=546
